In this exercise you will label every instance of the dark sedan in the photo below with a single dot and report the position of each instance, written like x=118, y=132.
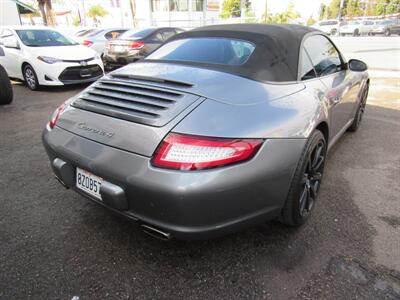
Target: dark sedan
x=220, y=128
x=136, y=44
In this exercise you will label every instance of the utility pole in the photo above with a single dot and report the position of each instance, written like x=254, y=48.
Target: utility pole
x=242, y=10
x=341, y=9
x=266, y=12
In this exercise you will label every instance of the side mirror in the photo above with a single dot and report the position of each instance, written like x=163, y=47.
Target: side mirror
x=11, y=42
x=357, y=65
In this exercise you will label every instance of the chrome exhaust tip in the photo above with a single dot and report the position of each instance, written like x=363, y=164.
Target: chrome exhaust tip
x=155, y=232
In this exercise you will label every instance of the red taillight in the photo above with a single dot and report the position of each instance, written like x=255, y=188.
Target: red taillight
x=56, y=114
x=87, y=43
x=184, y=152
x=136, y=45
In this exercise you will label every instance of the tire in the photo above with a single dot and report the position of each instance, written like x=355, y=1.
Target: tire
x=30, y=78
x=342, y=34
x=360, y=111
x=387, y=32
x=356, y=32
x=6, y=92
x=333, y=32
x=306, y=182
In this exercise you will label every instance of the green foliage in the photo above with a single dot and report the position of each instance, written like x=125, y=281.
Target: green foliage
x=358, y=8
x=231, y=8
x=96, y=11
x=76, y=21
x=311, y=21
x=322, y=11
x=353, y=9
x=334, y=8
x=284, y=17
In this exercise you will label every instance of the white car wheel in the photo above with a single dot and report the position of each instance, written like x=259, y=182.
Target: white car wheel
x=31, y=78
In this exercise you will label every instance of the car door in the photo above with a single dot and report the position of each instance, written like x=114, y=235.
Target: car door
x=12, y=56
x=339, y=83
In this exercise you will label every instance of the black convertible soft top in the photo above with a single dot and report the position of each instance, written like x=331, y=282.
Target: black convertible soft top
x=275, y=57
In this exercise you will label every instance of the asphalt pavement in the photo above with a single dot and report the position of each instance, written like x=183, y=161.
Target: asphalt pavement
x=54, y=244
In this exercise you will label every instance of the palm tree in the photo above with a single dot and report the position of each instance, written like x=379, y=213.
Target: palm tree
x=132, y=4
x=46, y=10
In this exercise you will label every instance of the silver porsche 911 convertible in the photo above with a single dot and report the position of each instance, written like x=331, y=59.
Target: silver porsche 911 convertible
x=221, y=128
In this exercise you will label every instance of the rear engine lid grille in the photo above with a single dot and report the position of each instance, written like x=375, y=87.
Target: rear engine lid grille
x=133, y=101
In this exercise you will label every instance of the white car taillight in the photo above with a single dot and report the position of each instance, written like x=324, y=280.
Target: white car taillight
x=184, y=152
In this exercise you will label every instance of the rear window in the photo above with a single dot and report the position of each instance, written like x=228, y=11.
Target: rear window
x=221, y=51
x=136, y=34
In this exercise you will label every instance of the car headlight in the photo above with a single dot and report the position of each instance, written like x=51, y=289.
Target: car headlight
x=49, y=60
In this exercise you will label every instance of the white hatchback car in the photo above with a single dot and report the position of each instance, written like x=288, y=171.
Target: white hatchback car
x=43, y=56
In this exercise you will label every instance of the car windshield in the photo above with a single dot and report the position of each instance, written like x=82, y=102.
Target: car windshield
x=44, y=38
x=221, y=51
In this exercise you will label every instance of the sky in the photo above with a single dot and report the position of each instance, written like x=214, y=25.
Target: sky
x=305, y=7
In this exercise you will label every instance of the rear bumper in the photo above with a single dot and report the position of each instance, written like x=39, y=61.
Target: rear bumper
x=121, y=60
x=187, y=205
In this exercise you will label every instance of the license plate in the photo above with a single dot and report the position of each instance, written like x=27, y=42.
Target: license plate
x=88, y=182
x=119, y=48
x=85, y=73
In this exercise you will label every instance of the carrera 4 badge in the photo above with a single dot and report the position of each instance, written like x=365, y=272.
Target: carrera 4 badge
x=101, y=132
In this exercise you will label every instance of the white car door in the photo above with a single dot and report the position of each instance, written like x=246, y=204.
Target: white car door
x=12, y=54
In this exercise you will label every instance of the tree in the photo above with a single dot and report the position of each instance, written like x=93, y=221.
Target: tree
x=285, y=17
x=322, y=11
x=132, y=4
x=311, y=21
x=334, y=8
x=353, y=9
x=231, y=8
x=47, y=13
x=96, y=11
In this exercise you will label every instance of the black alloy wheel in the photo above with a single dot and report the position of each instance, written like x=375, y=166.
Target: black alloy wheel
x=312, y=177
x=360, y=110
x=306, y=181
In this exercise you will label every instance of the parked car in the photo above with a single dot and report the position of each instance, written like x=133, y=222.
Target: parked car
x=386, y=27
x=98, y=39
x=382, y=27
x=330, y=27
x=42, y=56
x=357, y=28
x=136, y=44
x=6, y=92
x=220, y=128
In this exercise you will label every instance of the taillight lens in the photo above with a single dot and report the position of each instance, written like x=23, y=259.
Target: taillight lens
x=136, y=45
x=185, y=152
x=87, y=43
x=55, y=116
